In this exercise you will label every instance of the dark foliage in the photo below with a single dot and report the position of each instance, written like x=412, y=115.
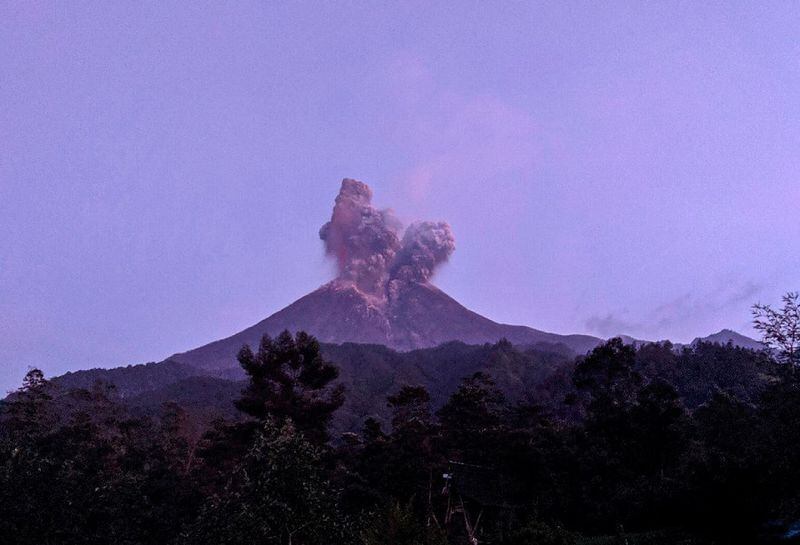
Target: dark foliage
x=624, y=445
x=289, y=380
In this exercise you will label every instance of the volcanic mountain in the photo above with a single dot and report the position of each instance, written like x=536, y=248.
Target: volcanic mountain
x=382, y=293
x=421, y=316
x=381, y=321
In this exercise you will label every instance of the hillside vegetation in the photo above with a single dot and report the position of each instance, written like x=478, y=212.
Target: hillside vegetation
x=456, y=444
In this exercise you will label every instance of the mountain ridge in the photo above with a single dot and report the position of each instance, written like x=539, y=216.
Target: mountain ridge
x=734, y=337
x=419, y=316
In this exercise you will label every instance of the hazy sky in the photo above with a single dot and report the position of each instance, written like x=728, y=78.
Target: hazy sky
x=606, y=167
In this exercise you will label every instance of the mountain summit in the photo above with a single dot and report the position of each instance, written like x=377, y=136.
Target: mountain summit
x=382, y=294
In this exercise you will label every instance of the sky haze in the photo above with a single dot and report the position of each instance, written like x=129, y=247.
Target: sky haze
x=165, y=167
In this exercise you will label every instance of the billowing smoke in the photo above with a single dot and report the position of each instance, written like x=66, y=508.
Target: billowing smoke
x=361, y=238
x=425, y=246
x=368, y=249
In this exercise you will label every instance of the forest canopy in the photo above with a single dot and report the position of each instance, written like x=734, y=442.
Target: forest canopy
x=637, y=445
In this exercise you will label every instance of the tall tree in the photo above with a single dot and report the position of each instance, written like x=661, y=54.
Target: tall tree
x=412, y=449
x=289, y=379
x=30, y=411
x=470, y=419
x=780, y=328
x=608, y=376
x=411, y=409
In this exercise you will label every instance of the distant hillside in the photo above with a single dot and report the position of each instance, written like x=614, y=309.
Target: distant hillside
x=372, y=372
x=729, y=336
x=131, y=380
x=723, y=337
x=368, y=372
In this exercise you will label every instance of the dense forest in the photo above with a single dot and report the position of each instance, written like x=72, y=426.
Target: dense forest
x=653, y=444
x=368, y=372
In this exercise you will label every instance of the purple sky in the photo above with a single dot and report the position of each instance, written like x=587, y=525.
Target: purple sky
x=165, y=167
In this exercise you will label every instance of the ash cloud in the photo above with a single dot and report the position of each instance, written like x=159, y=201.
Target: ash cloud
x=372, y=250
x=425, y=246
x=361, y=238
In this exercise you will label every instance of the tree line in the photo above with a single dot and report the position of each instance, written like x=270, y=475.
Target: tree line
x=632, y=445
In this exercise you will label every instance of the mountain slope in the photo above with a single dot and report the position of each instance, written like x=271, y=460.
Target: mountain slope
x=420, y=316
x=729, y=336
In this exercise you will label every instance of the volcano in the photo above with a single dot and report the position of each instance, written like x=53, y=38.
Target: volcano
x=383, y=292
x=421, y=316
x=381, y=321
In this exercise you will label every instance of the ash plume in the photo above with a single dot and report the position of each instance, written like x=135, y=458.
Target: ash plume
x=361, y=238
x=367, y=245
x=425, y=246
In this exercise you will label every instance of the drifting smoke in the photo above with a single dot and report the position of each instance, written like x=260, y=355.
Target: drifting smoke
x=368, y=249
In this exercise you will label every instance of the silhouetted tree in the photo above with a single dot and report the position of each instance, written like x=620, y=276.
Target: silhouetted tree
x=471, y=419
x=412, y=448
x=30, y=410
x=411, y=410
x=780, y=328
x=289, y=379
x=609, y=377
